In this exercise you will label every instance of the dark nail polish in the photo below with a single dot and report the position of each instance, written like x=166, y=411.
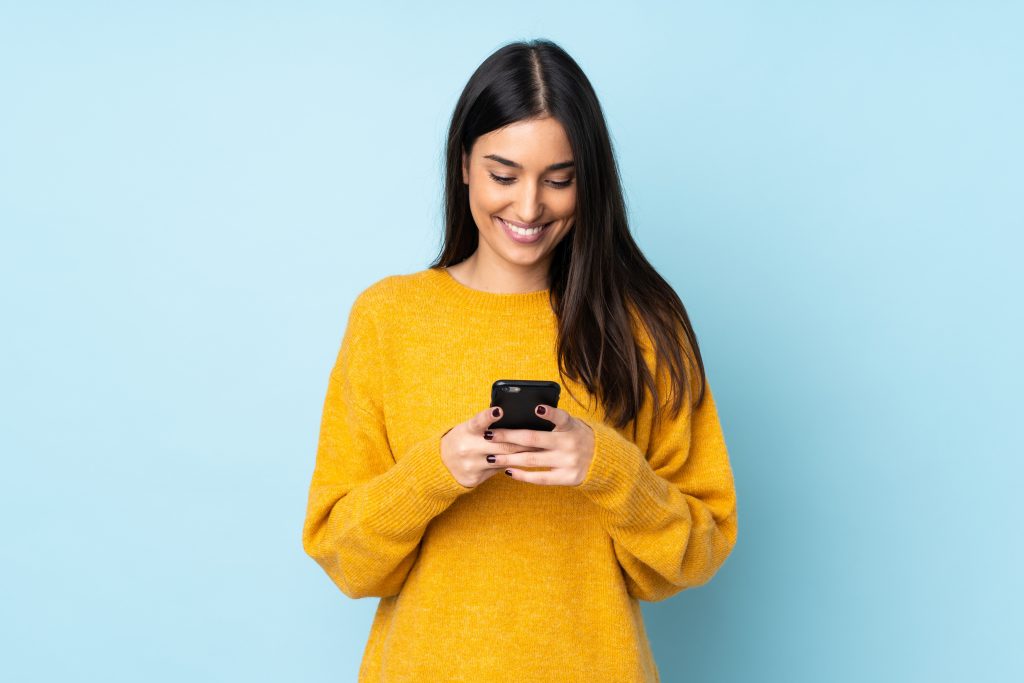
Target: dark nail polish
x=491, y=458
x=508, y=472
x=540, y=410
x=488, y=435
x=496, y=412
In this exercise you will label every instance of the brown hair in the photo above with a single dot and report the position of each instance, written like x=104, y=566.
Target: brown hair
x=610, y=302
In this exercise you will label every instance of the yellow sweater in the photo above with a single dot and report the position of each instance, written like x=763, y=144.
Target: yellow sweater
x=508, y=580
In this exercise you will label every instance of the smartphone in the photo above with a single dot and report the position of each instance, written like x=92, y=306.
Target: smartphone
x=518, y=398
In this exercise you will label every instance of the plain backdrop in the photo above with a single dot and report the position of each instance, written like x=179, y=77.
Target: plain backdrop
x=192, y=194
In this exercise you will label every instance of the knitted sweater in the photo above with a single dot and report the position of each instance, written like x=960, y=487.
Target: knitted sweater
x=507, y=580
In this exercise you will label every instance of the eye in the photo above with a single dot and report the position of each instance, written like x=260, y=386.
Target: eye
x=500, y=178
x=506, y=180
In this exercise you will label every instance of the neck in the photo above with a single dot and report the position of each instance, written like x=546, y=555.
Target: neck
x=499, y=276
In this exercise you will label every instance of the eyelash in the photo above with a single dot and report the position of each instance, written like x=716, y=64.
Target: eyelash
x=503, y=180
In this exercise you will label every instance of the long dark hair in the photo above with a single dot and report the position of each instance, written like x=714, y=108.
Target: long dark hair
x=601, y=284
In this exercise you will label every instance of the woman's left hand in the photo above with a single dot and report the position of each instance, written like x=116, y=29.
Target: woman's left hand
x=567, y=450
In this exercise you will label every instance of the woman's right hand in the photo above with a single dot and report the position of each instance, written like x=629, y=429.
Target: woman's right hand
x=464, y=449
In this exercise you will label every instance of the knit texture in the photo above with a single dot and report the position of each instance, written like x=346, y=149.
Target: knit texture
x=507, y=580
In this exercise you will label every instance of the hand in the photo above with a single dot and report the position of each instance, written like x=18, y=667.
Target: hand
x=465, y=451
x=568, y=450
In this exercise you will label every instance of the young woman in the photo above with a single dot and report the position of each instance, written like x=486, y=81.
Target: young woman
x=533, y=575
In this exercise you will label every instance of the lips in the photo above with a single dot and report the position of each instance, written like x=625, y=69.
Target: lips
x=521, y=238
x=525, y=226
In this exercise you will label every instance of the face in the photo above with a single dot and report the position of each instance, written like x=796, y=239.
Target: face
x=516, y=174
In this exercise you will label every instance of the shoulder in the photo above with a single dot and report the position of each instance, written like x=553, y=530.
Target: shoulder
x=656, y=354
x=386, y=298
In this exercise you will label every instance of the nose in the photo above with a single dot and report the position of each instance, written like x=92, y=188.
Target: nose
x=528, y=206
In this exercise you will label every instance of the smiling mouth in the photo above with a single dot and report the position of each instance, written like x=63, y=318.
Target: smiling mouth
x=524, y=232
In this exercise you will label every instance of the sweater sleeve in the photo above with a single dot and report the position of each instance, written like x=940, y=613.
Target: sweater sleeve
x=368, y=510
x=671, y=513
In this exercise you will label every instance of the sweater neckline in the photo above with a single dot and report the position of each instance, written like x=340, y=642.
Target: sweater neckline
x=516, y=302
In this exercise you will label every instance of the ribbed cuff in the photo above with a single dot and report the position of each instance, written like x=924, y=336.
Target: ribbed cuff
x=418, y=488
x=620, y=479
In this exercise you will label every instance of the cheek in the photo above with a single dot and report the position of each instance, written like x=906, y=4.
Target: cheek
x=567, y=205
x=485, y=198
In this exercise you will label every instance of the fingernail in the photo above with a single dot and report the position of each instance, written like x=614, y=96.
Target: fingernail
x=508, y=472
x=490, y=458
x=488, y=435
x=496, y=412
x=540, y=410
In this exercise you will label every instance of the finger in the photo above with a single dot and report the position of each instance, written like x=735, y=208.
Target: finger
x=559, y=417
x=542, y=477
x=540, y=458
x=482, y=420
x=532, y=438
x=497, y=459
x=506, y=448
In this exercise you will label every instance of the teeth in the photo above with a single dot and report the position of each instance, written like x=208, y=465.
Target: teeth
x=525, y=232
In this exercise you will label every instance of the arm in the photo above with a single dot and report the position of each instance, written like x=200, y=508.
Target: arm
x=367, y=513
x=672, y=513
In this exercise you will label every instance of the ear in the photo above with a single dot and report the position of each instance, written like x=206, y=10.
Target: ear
x=465, y=169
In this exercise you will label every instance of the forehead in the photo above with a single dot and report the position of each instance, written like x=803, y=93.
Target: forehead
x=532, y=143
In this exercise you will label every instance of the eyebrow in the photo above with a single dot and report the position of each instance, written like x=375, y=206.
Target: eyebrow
x=507, y=162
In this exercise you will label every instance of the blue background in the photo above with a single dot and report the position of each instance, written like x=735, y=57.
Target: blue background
x=192, y=194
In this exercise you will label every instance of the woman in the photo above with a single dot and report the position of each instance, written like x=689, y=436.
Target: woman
x=533, y=575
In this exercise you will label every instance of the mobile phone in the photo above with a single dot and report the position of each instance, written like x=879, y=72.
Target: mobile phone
x=518, y=398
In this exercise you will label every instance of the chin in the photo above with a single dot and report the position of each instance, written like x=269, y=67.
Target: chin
x=523, y=259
